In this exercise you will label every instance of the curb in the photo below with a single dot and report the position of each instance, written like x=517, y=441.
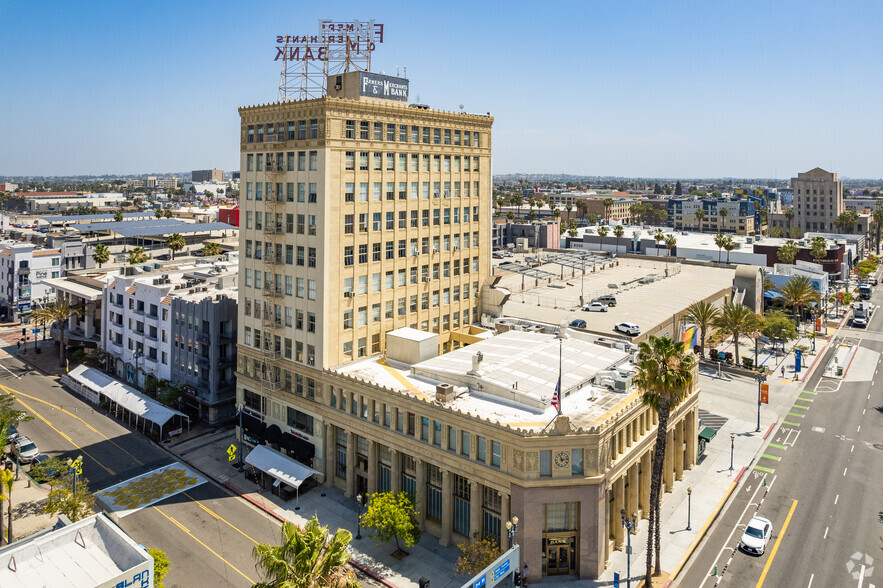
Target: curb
x=701, y=534
x=768, y=431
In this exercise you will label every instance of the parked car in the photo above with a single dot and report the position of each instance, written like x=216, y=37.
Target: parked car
x=595, y=307
x=497, y=255
x=11, y=434
x=607, y=299
x=44, y=473
x=756, y=536
x=25, y=450
x=628, y=328
x=164, y=257
x=578, y=324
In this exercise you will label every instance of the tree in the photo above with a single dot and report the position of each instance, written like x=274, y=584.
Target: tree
x=602, y=232
x=818, y=249
x=7, y=478
x=593, y=219
x=670, y=242
x=476, y=556
x=797, y=293
x=679, y=191
x=722, y=213
x=211, y=249
x=510, y=215
x=877, y=217
x=392, y=516
x=778, y=327
x=720, y=240
x=157, y=213
x=63, y=500
x=665, y=377
x=729, y=245
x=582, y=207
x=618, y=232
x=167, y=213
x=57, y=312
x=118, y=216
x=659, y=236
x=306, y=558
x=161, y=566
x=175, y=242
x=608, y=202
x=788, y=251
x=136, y=256
x=657, y=189
x=794, y=232
x=704, y=314
x=101, y=254
x=700, y=215
x=777, y=232
x=48, y=470
x=736, y=319
x=846, y=221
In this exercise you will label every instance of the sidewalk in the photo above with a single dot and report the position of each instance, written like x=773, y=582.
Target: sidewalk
x=207, y=452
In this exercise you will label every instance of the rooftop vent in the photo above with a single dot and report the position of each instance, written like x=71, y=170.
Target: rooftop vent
x=444, y=392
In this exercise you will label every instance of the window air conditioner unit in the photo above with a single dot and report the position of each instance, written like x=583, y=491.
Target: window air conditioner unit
x=435, y=249
x=347, y=294
x=414, y=252
x=456, y=247
x=427, y=279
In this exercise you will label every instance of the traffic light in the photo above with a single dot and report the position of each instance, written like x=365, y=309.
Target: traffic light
x=517, y=578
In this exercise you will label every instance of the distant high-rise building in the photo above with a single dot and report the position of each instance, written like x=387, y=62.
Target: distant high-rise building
x=207, y=175
x=818, y=200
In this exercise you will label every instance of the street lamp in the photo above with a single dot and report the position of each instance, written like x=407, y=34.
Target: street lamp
x=732, y=447
x=761, y=378
x=241, y=446
x=75, y=466
x=359, y=518
x=689, y=495
x=511, y=529
x=137, y=355
x=630, y=524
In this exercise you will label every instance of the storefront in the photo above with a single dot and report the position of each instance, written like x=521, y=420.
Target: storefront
x=560, y=547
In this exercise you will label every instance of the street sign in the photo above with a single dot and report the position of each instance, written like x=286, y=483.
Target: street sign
x=231, y=452
x=480, y=583
x=615, y=579
x=756, y=334
x=765, y=393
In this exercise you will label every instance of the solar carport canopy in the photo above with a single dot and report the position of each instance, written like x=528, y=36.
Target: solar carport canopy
x=152, y=227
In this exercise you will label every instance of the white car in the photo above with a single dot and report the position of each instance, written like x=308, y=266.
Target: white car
x=628, y=328
x=25, y=450
x=757, y=534
x=595, y=307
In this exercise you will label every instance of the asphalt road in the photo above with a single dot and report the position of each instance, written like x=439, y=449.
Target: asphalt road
x=207, y=533
x=819, y=481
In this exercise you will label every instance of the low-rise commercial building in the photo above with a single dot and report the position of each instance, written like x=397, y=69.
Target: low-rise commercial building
x=25, y=267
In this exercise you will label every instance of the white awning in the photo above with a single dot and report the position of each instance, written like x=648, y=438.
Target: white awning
x=283, y=468
x=125, y=396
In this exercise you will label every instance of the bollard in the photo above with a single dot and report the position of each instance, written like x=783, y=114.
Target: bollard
x=764, y=480
x=715, y=570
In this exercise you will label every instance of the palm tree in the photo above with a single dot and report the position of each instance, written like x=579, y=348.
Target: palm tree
x=118, y=216
x=608, y=202
x=877, y=216
x=794, y=232
x=637, y=210
x=101, y=254
x=729, y=246
x=736, y=319
x=670, y=242
x=789, y=214
x=797, y=293
x=618, y=232
x=659, y=236
x=175, y=242
x=704, y=314
x=602, y=232
x=57, y=312
x=167, y=213
x=593, y=219
x=157, y=213
x=788, y=251
x=722, y=213
x=582, y=207
x=818, y=249
x=306, y=558
x=137, y=256
x=846, y=221
x=700, y=215
x=211, y=249
x=665, y=375
x=777, y=232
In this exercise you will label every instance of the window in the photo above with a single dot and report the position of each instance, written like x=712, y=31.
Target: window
x=424, y=429
x=462, y=492
x=482, y=449
x=495, y=454
x=491, y=509
x=546, y=462
x=452, y=438
x=576, y=461
x=433, y=492
x=464, y=443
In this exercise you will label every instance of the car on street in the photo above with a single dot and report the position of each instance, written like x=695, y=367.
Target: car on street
x=595, y=307
x=497, y=255
x=25, y=450
x=11, y=434
x=628, y=328
x=607, y=299
x=164, y=257
x=578, y=324
x=756, y=536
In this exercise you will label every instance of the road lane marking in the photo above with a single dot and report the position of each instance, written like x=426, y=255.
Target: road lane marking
x=836, y=498
x=826, y=533
x=769, y=562
x=802, y=399
x=763, y=469
x=844, y=471
x=790, y=423
x=219, y=517
x=801, y=407
x=863, y=410
x=58, y=406
x=71, y=441
x=192, y=536
x=797, y=414
x=810, y=392
x=811, y=576
x=772, y=457
x=852, y=449
x=777, y=446
x=859, y=430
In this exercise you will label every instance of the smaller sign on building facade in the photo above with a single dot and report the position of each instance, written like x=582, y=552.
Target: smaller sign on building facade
x=375, y=85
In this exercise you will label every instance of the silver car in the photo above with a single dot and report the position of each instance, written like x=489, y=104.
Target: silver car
x=25, y=450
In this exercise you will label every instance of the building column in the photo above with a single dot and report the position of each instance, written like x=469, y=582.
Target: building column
x=396, y=472
x=89, y=326
x=691, y=436
x=668, y=467
x=330, y=454
x=618, y=505
x=634, y=491
x=679, y=450
x=505, y=515
x=420, y=498
x=350, y=465
x=474, y=509
x=372, y=467
x=447, y=513
x=646, y=476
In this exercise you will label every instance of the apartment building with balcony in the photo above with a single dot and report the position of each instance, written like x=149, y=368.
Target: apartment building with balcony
x=25, y=267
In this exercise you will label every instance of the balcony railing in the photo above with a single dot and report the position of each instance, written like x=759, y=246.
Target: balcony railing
x=272, y=292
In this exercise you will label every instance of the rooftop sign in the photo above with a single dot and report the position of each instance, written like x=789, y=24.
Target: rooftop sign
x=351, y=40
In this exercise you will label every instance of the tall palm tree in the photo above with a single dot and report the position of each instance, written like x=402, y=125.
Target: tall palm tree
x=211, y=249
x=157, y=213
x=670, y=242
x=704, y=314
x=57, y=312
x=789, y=214
x=608, y=202
x=665, y=375
x=618, y=232
x=101, y=254
x=659, y=237
x=175, y=242
x=788, y=251
x=700, y=215
x=729, y=246
x=136, y=256
x=118, y=216
x=582, y=207
x=306, y=558
x=797, y=293
x=736, y=319
x=167, y=213
x=720, y=240
x=794, y=232
x=818, y=249
x=602, y=233
x=877, y=216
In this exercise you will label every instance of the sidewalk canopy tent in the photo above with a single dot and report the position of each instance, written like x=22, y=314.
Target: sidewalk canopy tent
x=93, y=384
x=283, y=468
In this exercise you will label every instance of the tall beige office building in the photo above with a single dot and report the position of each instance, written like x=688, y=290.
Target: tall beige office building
x=818, y=200
x=360, y=214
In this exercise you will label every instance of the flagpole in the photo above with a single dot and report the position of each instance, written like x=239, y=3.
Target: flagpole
x=560, y=354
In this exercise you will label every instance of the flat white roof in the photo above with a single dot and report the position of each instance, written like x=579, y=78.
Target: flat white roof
x=412, y=334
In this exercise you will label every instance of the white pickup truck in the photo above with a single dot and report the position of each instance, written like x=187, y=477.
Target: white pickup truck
x=861, y=313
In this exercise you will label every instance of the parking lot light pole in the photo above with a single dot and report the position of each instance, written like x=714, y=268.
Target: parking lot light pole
x=689, y=495
x=630, y=524
x=732, y=448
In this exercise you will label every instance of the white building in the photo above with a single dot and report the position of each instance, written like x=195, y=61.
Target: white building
x=39, y=202
x=25, y=268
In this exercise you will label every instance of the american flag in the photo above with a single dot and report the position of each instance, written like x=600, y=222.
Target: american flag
x=556, y=397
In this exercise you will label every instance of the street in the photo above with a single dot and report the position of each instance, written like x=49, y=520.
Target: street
x=817, y=480
x=207, y=532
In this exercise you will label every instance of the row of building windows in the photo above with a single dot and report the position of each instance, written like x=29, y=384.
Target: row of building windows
x=815, y=191
x=273, y=283
x=282, y=162
x=378, y=131
x=295, y=130
x=378, y=221
x=308, y=192
x=390, y=161
x=438, y=324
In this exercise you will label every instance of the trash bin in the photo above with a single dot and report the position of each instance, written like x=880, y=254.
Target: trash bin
x=423, y=583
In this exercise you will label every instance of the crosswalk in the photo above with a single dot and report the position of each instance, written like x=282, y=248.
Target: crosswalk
x=712, y=420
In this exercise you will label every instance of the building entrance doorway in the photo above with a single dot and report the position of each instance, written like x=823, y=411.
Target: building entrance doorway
x=557, y=560
x=560, y=555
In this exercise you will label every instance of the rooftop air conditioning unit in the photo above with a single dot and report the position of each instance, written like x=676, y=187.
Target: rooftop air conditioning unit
x=622, y=384
x=444, y=392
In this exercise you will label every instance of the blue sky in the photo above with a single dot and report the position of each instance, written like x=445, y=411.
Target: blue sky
x=634, y=88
